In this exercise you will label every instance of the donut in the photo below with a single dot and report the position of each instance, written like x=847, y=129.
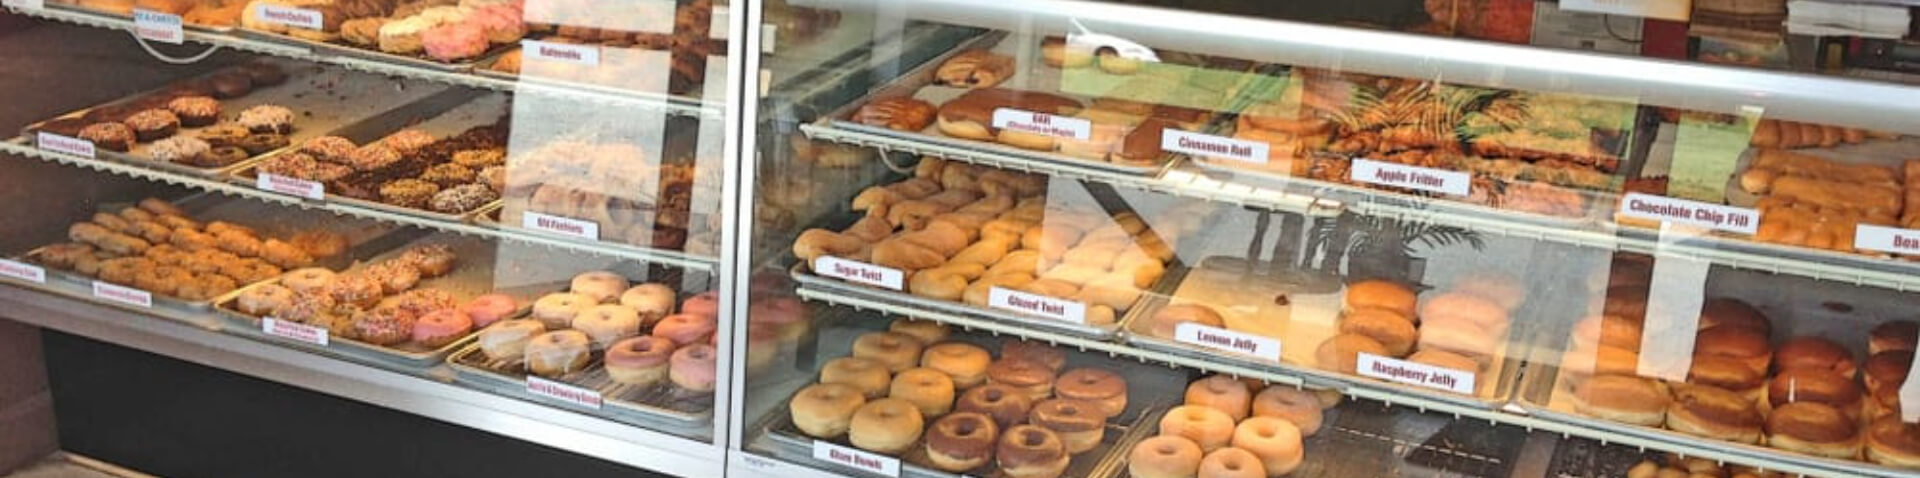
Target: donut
x=441, y=327
x=930, y=390
x=866, y=375
x=929, y=332
x=896, y=350
x=601, y=286
x=692, y=368
x=1028, y=451
x=965, y=363
x=558, y=309
x=705, y=303
x=1104, y=389
x=1026, y=376
x=1232, y=463
x=264, y=299
x=1080, y=425
x=432, y=260
x=1342, y=352
x=307, y=281
x=557, y=353
x=1206, y=426
x=1004, y=404
x=684, y=329
x=1384, y=326
x=1300, y=407
x=787, y=315
x=1165, y=456
x=507, y=339
x=652, y=301
x=1222, y=393
x=639, y=360
x=490, y=308
x=825, y=410
x=608, y=323
x=1274, y=441
x=887, y=425
x=1037, y=352
x=961, y=442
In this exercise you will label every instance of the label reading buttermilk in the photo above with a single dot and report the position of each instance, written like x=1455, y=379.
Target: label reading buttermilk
x=1887, y=239
x=1695, y=213
x=860, y=272
x=122, y=294
x=1416, y=374
x=587, y=55
x=294, y=331
x=1265, y=348
x=588, y=230
x=25, y=272
x=290, y=186
x=1452, y=183
x=563, y=392
x=858, y=459
x=158, y=26
x=63, y=144
x=1180, y=141
x=290, y=16
x=1035, y=304
x=1042, y=124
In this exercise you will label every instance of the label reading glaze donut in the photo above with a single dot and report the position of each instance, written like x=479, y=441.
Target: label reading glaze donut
x=1036, y=304
x=1693, y=213
x=858, y=459
x=584, y=55
x=296, y=332
x=158, y=26
x=1206, y=145
x=1416, y=374
x=860, y=272
x=122, y=294
x=295, y=17
x=63, y=144
x=25, y=272
x=563, y=392
x=1452, y=183
x=290, y=186
x=1265, y=348
x=1042, y=124
x=588, y=230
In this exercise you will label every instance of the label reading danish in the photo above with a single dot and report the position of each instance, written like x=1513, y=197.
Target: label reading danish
x=858, y=459
x=588, y=230
x=860, y=272
x=563, y=392
x=1042, y=124
x=1887, y=239
x=25, y=272
x=1693, y=213
x=1181, y=141
x=294, y=17
x=63, y=144
x=585, y=55
x=158, y=26
x=1416, y=374
x=1451, y=183
x=296, y=332
x=1036, y=304
x=290, y=186
x=122, y=294
x=1264, y=348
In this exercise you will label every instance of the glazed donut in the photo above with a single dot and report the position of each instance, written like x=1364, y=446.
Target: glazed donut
x=1028, y=451
x=961, y=441
x=1274, y=441
x=1004, y=404
x=1080, y=425
x=929, y=332
x=1470, y=308
x=867, y=376
x=1206, y=426
x=307, y=281
x=1025, y=261
x=1294, y=405
x=1028, y=377
x=928, y=389
x=557, y=310
x=1052, y=240
x=825, y=410
x=895, y=350
x=1232, y=463
x=887, y=425
x=965, y=363
x=556, y=353
x=1222, y=393
x=639, y=360
x=704, y=304
x=1165, y=456
x=1036, y=352
x=652, y=301
x=948, y=282
x=608, y=323
x=1392, y=331
x=601, y=286
x=1104, y=389
x=1342, y=352
x=441, y=327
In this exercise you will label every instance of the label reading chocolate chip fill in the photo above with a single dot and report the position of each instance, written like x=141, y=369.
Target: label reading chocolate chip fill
x=1416, y=374
x=293, y=17
x=63, y=144
x=1038, y=305
x=290, y=186
x=585, y=55
x=297, y=332
x=1210, y=146
x=122, y=294
x=563, y=392
x=860, y=272
x=1693, y=213
x=25, y=272
x=1042, y=124
x=1264, y=348
x=158, y=26
x=1452, y=183
x=857, y=459
x=569, y=227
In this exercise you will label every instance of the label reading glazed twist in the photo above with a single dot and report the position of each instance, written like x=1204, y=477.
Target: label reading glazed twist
x=1036, y=304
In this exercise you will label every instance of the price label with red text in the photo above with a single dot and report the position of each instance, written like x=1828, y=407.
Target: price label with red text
x=290, y=186
x=1452, y=183
x=122, y=294
x=1887, y=239
x=1042, y=124
x=63, y=144
x=294, y=331
x=1036, y=304
x=1206, y=145
x=569, y=227
x=1265, y=348
x=586, y=55
x=563, y=392
x=855, y=458
x=1416, y=374
x=159, y=26
x=1693, y=213
x=860, y=272
x=22, y=271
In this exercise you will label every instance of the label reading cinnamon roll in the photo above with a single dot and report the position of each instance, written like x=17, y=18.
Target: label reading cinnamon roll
x=122, y=294
x=1416, y=374
x=1036, y=304
x=860, y=272
x=854, y=458
x=294, y=17
x=297, y=332
x=1210, y=146
x=290, y=186
x=588, y=230
x=563, y=392
x=158, y=26
x=1042, y=124
x=1264, y=348
x=25, y=272
x=64, y=144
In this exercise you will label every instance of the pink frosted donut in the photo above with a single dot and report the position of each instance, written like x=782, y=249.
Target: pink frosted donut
x=786, y=315
x=684, y=329
x=707, y=304
x=441, y=327
x=454, y=42
x=639, y=360
x=490, y=308
x=654, y=301
x=692, y=368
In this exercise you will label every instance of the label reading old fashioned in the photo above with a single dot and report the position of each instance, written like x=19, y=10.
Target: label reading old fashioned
x=294, y=331
x=860, y=272
x=122, y=294
x=1452, y=183
x=563, y=392
x=588, y=230
x=860, y=459
x=1035, y=304
x=63, y=144
x=1042, y=124
x=1416, y=374
x=158, y=26
x=290, y=16
x=290, y=186
x=1211, y=146
x=1265, y=348
x=25, y=272
x=1695, y=213
x=585, y=55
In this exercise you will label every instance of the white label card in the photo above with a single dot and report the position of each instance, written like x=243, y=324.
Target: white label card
x=63, y=144
x=1676, y=10
x=1042, y=124
x=588, y=230
x=860, y=272
x=1887, y=239
x=854, y=458
x=25, y=272
x=586, y=55
x=1264, y=348
x=158, y=26
x=1211, y=146
x=290, y=186
x=1036, y=304
x=290, y=16
x=25, y=4
x=1416, y=374
x=1693, y=213
x=122, y=294
x=563, y=392
x=1451, y=183
x=294, y=331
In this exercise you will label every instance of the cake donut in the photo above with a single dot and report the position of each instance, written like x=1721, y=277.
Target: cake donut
x=961, y=442
x=652, y=301
x=557, y=310
x=1040, y=353
x=898, y=351
x=869, y=377
x=887, y=425
x=928, y=389
x=825, y=410
x=965, y=363
x=1300, y=407
x=686, y=329
x=929, y=332
x=441, y=327
x=490, y=308
x=1080, y=425
x=1222, y=393
x=1232, y=463
x=1004, y=404
x=1206, y=426
x=692, y=368
x=1275, y=442
x=1165, y=456
x=264, y=299
x=557, y=353
x=307, y=281
x=608, y=323
x=1028, y=451
x=1029, y=377
x=1104, y=389
x=705, y=303
x=639, y=360
x=787, y=315
x=601, y=286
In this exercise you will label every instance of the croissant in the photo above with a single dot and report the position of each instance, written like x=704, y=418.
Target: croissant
x=897, y=113
x=974, y=69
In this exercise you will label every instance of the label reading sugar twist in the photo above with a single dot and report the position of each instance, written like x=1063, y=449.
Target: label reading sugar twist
x=588, y=230
x=1452, y=183
x=294, y=331
x=1036, y=304
x=290, y=186
x=563, y=392
x=1042, y=124
x=294, y=17
x=859, y=459
x=158, y=26
x=860, y=272
x=1416, y=374
x=122, y=294
x=25, y=272
x=1693, y=213
x=63, y=144
x=1265, y=348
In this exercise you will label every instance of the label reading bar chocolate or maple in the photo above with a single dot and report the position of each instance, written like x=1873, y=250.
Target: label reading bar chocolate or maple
x=1452, y=183
x=1676, y=10
x=1416, y=374
x=122, y=294
x=1887, y=239
x=1694, y=213
x=63, y=144
x=563, y=392
x=588, y=230
x=290, y=186
x=158, y=26
x=1036, y=304
x=1266, y=348
x=290, y=16
x=1180, y=141
x=858, y=459
x=860, y=272
x=294, y=331
x=586, y=55
x=25, y=272
x=1042, y=124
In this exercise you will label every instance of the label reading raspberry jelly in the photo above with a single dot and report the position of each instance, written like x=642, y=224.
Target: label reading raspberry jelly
x=588, y=230
x=1887, y=239
x=1416, y=374
x=1036, y=304
x=586, y=55
x=294, y=17
x=1042, y=124
x=1264, y=348
x=563, y=392
x=860, y=272
x=857, y=459
x=297, y=332
x=290, y=186
x=1693, y=213
x=25, y=272
x=158, y=26
x=1452, y=183
x=63, y=144
x=1211, y=146
x=122, y=294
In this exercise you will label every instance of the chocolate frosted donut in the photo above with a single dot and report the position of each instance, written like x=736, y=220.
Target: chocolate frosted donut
x=962, y=441
x=1006, y=405
x=1031, y=451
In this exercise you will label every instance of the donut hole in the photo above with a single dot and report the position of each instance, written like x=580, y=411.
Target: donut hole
x=1032, y=439
x=993, y=395
x=1231, y=464
x=1167, y=449
x=965, y=429
x=1069, y=411
x=701, y=354
x=1266, y=430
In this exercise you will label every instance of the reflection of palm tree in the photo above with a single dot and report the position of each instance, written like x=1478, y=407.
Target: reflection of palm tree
x=1378, y=247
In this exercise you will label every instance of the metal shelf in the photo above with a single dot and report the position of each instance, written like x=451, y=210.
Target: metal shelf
x=650, y=255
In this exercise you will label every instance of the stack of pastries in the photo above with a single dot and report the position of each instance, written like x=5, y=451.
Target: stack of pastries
x=1226, y=431
x=408, y=168
x=378, y=303
x=156, y=247
x=1022, y=415
x=186, y=123
x=1817, y=202
x=1459, y=329
x=634, y=331
x=635, y=197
